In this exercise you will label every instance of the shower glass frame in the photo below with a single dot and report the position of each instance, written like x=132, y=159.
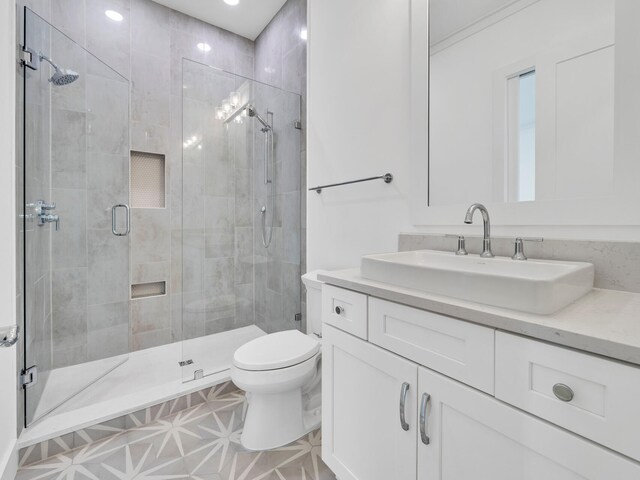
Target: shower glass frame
x=229, y=279
x=76, y=281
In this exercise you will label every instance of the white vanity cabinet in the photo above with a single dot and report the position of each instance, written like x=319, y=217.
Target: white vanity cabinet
x=362, y=387
x=419, y=404
x=474, y=436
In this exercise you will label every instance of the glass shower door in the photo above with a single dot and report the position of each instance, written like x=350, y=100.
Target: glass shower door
x=241, y=214
x=76, y=222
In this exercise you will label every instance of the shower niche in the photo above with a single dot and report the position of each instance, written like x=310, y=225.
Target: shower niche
x=241, y=209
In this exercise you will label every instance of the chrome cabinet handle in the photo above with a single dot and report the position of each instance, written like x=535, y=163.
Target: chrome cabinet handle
x=423, y=418
x=403, y=402
x=114, y=229
x=339, y=310
x=563, y=392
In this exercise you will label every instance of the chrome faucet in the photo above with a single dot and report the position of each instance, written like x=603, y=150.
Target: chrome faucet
x=486, y=242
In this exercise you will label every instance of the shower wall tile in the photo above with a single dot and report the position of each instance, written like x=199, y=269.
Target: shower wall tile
x=69, y=17
x=243, y=255
x=108, y=114
x=150, y=272
x=108, y=277
x=150, y=339
x=68, y=149
x=150, y=314
x=107, y=185
x=150, y=235
x=192, y=259
x=108, y=40
x=150, y=89
x=107, y=330
x=69, y=308
x=280, y=60
x=149, y=32
x=69, y=243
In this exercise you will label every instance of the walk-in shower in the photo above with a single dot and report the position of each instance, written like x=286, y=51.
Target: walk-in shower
x=147, y=262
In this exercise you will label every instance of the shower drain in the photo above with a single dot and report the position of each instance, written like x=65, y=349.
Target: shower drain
x=184, y=363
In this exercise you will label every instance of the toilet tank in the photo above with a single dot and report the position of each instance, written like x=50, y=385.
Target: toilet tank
x=313, y=287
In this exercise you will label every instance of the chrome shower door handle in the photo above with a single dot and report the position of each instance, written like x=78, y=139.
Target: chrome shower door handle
x=403, y=402
x=114, y=228
x=423, y=418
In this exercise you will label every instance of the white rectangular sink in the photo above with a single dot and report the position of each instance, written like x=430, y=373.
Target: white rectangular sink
x=534, y=286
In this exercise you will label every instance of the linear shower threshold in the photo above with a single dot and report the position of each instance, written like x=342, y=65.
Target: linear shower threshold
x=147, y=378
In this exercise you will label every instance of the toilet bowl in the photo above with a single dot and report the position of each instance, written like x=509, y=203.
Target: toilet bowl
x=281, y=373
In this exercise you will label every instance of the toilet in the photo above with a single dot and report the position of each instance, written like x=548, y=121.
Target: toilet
x=281, y=373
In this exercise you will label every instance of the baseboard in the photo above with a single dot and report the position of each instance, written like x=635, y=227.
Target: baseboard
x=9, y=464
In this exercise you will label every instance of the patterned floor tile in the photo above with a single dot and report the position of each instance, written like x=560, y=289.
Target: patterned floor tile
x=199, y=443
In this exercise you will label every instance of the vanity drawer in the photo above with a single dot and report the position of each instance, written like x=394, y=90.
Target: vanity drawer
x=455, y=348
x=600, y=403
x=345, y=309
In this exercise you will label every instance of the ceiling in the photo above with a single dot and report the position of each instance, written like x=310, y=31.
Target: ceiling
x=450, y=16
x=247, y=19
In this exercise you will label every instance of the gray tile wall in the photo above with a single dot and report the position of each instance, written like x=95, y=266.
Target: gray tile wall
x=147, y=47
x=615, y=262
x=280, y=61
x=218, y=261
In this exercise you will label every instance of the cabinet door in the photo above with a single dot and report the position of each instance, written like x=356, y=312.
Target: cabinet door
x=474, y=436
x=362, y=385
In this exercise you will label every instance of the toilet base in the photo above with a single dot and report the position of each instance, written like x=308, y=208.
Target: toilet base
x=276, y=419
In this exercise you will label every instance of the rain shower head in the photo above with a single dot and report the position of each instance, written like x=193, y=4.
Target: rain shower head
x=61, y=76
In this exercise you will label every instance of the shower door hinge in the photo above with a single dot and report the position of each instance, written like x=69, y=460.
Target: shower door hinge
x=298, y=317
x=297, y=125
x=28, y=57
x=29, y=377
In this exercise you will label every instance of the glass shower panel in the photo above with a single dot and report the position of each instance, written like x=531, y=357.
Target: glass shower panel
x=76, y=178
x=241, y=191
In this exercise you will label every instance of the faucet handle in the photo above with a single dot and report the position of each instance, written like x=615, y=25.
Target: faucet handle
x=519, y=246
x=462, y=247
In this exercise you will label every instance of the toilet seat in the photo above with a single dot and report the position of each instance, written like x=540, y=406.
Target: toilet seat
x=276, y=351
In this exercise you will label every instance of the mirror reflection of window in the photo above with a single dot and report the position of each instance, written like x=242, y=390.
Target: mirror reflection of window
x=525, y=163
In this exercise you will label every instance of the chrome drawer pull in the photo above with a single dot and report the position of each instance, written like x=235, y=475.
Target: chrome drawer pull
x=563, y=392
x=339, y=310
x=403, y=401
x=423, y=418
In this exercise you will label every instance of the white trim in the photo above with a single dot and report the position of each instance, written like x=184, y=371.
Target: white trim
x=8, y=369
x=481, y=24
x=9, y=464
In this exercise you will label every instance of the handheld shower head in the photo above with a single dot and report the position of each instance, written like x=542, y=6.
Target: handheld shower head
x=252, y=112
x=61, y=76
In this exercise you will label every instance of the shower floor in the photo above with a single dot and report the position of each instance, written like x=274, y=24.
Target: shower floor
x=146, y=378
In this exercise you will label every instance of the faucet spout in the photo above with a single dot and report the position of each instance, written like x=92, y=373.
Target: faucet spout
x=486, y=241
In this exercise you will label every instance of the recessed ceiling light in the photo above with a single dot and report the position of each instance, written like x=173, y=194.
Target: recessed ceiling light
x=113, y=15
x=205, y=47
x=232, y=2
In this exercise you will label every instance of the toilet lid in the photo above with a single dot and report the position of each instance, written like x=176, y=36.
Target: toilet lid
x=276, y=350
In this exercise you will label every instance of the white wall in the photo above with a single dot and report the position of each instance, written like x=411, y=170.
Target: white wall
x=358, y=126
x=8, y=456
x=468, y=88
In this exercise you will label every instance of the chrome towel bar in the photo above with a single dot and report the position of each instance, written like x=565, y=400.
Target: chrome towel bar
x=387, y=177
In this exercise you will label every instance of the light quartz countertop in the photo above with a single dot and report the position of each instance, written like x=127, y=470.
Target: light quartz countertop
x=603, y=322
